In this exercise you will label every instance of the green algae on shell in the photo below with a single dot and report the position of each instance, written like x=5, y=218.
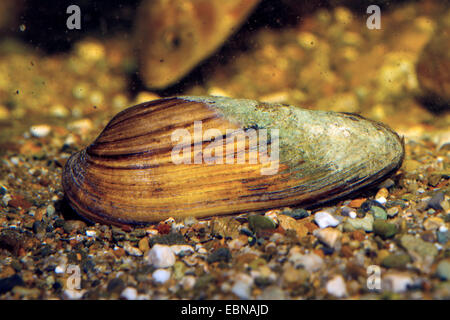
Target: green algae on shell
x=128, y=176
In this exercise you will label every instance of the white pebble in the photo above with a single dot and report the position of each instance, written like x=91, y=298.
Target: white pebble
x=397, y=282
x=443, y=228
x=325, y=219
x=336, y=287
x=242, y=286
x=311, y=262
x=161, y=256
x=60, y=269
x=6, y=199
x=352, y=214
x=179, y=248
x=40, y=130
x=161, y=275
x=129, y=293
x=381, y=200
x=328, y=236
x=91, y=233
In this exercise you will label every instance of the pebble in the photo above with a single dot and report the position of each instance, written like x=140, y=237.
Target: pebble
x=242, y=286
x=272, y=293
x=289, y=223
x=328, y=236
x=50, y=210
x=296, y=214
x=220, y=254
x=73, y=294
x=396, y=282
x=417, y=246
x=294, y=276
x=311, y=261
x=324, y=219
x=435, y=201
x=257, y=223
x=143, y=245
x=443, y=269
x=7, y=284
x=384, y=229
x=349, y=212
x=336, y=287
x=161, y=256
x=396, y=261
x=70, y=226
x=6, y=199
x=433, y=223
x=392, y=212
x=132, y=251
x=181, y=249
x=365, y=224
x=81, y=126
x=379, y=213
x=129, y=293
x=386, y=184
x=160, y=276
x=40, y=130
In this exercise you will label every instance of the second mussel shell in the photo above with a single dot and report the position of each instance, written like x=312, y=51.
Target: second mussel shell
x=188, y=156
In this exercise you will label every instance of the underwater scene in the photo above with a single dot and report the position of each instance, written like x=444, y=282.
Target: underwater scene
x=224, y=150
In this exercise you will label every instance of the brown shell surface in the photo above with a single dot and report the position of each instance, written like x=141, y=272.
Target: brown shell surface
x=127, y=176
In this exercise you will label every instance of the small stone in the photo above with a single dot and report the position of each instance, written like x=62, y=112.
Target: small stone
x=392, y=212
x=386, y=184
x=81, y=126
x=242, y=286
x=397, y=282
x=433, y=223
x=311, y=261
x=336, y=287
x=396, y=261
x=436, y=201
x=379, y=213
x=296, y=214
x=50, y=210
x=324, y=219
x=272, y=293
x=181, y=249
x=221, y=254
x=132, y=251
x=91, y=233
x=384, y=229
x=418, y=247
x=226, y=227
x=70, y=226
x=294, y=276
x=289, y=223
x=129, y=293
x=383, y=192
x=328, y=236
x=443, y=269
x=143, y=245
x=7, y=284
x=160, y=276
x=442, y=237
x=257, y=223
x=115, y=285
x=40, y=131
x=161, y=256
x=365, y=224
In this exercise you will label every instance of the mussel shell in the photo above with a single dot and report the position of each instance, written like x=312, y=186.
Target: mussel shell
x=127, y=176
